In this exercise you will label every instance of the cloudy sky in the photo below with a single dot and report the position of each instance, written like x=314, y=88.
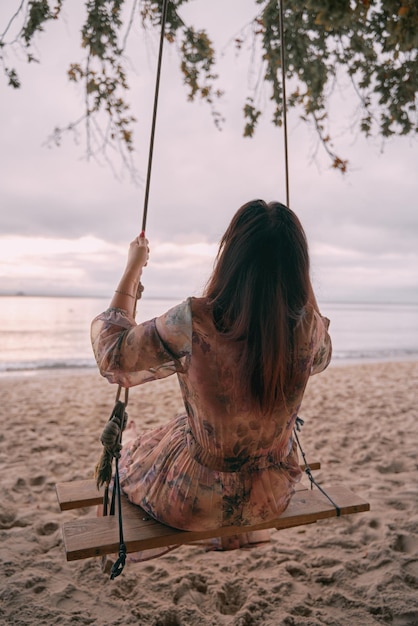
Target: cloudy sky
x=65, y=223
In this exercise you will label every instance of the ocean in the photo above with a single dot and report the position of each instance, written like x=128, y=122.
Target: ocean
x=47, y=333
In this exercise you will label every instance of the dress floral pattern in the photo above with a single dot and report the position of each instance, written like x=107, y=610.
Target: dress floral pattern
x=219, y=463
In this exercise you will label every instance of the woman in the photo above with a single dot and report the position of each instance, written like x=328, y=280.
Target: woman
x=243, y=354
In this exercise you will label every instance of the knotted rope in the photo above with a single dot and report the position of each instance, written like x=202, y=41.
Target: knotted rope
x=112, y=442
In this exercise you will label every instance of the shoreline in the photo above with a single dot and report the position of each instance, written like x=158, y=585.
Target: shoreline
x=89, y=370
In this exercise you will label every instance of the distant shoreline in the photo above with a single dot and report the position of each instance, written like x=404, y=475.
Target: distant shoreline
x=92, y=370
x=179, y=298
x=50, y=333
x=78, y=296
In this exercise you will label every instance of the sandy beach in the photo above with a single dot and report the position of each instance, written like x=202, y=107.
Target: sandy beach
x=361, y=422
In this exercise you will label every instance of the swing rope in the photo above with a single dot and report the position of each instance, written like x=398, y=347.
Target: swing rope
x=284, y=99
x=154, y=115
x=298, y=425
x=112, y=434
x=299, y=421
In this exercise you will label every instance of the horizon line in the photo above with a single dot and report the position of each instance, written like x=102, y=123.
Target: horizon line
x=23, y=294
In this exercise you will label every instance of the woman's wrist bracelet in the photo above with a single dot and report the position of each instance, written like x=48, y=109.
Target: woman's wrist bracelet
x=124, y=293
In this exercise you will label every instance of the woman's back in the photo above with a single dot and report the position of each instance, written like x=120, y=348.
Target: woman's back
x=222, y=418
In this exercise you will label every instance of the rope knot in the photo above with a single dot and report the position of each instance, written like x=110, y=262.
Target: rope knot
x=112, y=432
x=299, y=423
x=112, y=443
x=119, y=564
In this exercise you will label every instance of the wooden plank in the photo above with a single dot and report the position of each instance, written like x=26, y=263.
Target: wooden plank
x=89, y=537
x=78, y=493
x=82, y=493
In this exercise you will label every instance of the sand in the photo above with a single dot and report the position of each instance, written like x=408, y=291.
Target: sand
x=361, y=423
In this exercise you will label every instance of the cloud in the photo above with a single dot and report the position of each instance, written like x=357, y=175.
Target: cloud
x=90, y=266
x=362, y=228
x=349, y=274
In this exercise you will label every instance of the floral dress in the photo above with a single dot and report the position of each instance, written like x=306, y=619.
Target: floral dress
x=219, y=463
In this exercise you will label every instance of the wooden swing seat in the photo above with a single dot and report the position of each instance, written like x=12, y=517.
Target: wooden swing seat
x=97, y=536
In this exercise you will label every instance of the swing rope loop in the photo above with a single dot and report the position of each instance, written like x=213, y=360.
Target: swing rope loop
x=119, y=564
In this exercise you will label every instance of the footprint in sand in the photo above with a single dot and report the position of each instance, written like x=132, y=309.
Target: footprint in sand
x=34, y=582
x=46, y=528
x=301, y=610
x=168, y=618
x=230, y=598
x=192, y=587
x=405, y=543
x=406, y=619
x=411, y=574
x=296, y=571
x=37, y=481
x=9, y=519
x=19, y=484
x=395, y=467
x=397, y=505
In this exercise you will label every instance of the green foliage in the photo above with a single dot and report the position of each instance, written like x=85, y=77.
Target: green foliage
x=251, y=114
x=38, y=13
x=13, y=78
x=372, y=42
x=103, y=74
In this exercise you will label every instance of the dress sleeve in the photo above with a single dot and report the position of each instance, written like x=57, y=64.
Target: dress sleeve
x=322, y=344
x=130, y=354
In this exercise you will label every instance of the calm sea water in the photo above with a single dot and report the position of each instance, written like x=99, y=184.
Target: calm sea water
x=48, y=333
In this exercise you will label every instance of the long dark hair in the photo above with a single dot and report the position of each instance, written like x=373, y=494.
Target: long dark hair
x=258, y=289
